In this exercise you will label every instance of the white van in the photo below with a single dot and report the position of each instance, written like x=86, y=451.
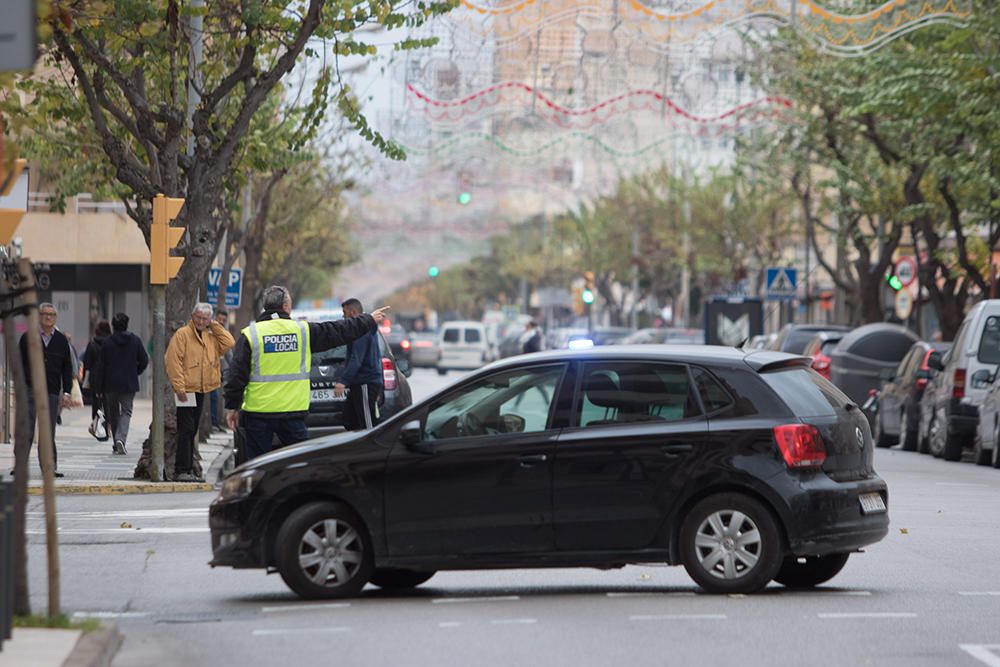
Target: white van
x=463, y=346
x=950, y=407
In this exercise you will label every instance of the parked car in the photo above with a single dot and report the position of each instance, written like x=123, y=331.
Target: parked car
x=743, y=468
x=950, y=408
x=793, y=337
x=463, y=346
x=860, y=358
x=326, y=412
x=819, y=348
x=398, y=339
x=898, y=415
x=423, y=349
x=987, y=443
x=665, y=335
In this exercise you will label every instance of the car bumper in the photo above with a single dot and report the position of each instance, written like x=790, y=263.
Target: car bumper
x=232, y=545
x=827, y=517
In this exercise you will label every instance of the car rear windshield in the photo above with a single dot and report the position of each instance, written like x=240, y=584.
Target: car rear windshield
x=472, y=336
x=331, y=357
x=989, y=346
x=796, y=341
x=451, y=335
x=806, y=392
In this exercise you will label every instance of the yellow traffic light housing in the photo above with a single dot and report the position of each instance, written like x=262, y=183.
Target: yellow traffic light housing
x=162, y=238
x=10, y=218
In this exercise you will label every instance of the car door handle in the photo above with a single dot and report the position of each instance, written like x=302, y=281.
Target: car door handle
x=673, y=451
x=532, y=460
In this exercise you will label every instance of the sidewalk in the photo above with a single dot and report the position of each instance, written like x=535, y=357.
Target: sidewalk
x=91, y=468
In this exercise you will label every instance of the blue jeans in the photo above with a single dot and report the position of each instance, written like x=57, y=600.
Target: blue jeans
x=259, y=433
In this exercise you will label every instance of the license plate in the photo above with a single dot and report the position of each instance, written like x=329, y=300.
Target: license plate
x=324, y=395
x=871, y=503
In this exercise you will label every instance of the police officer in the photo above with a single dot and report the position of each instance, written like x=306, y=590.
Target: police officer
x=267, y=389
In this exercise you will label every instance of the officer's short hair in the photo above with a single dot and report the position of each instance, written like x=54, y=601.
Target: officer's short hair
x=275, y=297
x=203, y=308
x=353, y=304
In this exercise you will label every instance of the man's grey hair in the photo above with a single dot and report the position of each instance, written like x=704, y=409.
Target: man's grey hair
x=275, y=297
x=203, y=308
x=45, y=304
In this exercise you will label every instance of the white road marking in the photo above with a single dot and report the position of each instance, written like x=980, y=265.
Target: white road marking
x=679, y=617
x=514, y=621
x=304, y=607
x=979, y=593
x=651, y=594
x=297, y=631
x=984, y=653
x=110, y=614
x=876, y=614
x=823, y=593
x=957, y=484
x=121, y=531
x=496, y=598
x=450, y=624
x=129, y=514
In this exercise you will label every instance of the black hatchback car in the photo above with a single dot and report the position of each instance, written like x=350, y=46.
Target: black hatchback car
x=743, y=468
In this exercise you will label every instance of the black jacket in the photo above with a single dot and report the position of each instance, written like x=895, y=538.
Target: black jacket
x=121, y=361
x=58, y=364
x=92, y=354
x=322, y=336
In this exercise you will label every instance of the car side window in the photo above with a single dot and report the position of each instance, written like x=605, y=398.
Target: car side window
x=517, y=401
x=713, y=396
x=631, y=392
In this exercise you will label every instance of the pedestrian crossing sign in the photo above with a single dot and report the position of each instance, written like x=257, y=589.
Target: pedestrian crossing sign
x=782, y=282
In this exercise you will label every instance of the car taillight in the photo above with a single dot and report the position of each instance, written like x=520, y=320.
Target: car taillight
x=388, y=374
x=958, y=384
x=801, y=445
x=922, y=384
x=821, y=363
x=405, y=344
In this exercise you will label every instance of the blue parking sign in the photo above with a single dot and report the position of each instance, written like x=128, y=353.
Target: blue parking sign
x=234, y=287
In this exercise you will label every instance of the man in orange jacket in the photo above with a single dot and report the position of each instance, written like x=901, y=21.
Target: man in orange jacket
x=192, y=362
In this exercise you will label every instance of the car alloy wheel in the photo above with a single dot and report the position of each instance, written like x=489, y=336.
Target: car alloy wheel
x=323, y=551
x=934, y=437
x=730, y=544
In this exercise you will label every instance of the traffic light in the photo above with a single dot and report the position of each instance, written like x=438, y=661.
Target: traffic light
x=162, y=238
x=433, y=272
x=894, y=282
x=464, y=198
x=10, y=218
x=588, y=287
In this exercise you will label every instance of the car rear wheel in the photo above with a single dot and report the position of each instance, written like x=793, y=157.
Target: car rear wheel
x=935, y=438
x=806, y=572
x=392, y=578
x=907, y=437
x=881, y=438
x=323, y=551
x=983, y=456
x=730, y=543
x=996, y=448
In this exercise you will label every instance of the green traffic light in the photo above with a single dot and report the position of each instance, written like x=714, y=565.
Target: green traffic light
x=433, y=272
x=464, y=198
x=587, y=296
x=895, y=283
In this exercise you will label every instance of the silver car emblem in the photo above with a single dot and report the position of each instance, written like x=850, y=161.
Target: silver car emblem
x=324, y=370
x=860, y=437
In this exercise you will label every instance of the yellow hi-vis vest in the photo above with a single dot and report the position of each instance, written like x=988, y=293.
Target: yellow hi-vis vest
x=279, y=367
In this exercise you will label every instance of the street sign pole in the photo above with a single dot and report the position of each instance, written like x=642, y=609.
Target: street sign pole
x=157, y=295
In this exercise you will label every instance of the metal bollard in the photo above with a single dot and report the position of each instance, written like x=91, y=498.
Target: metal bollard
x=6, y=561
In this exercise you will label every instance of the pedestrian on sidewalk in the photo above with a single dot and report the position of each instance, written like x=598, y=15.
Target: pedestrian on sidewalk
x=90, y=358
x=193, y=370
x=115, y=378
x=362, y=379
x=58, y=372
x=267, y=391
x=531, y=339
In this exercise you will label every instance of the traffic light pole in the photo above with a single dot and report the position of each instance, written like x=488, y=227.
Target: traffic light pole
x=157, y=295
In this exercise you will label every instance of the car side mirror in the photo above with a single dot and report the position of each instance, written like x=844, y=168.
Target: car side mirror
x=982, y=379
x=934, y=361
x=404, y=367
x=412, y=435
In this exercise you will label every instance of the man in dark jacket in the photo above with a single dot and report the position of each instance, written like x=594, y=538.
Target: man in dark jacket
x=115, y=378
x=362, y=377
x=267, y=390
x=532, y=338
x=58, y=371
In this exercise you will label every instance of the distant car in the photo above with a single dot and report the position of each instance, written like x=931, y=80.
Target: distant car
x=793, y=337
x=987, y=444
x=862, y=356
x=950, y=410
x=463, y=346
x=597, y=336
x=423, y=349
x=665, y=335
x=819, y=348
x=398, y=339
x=326, y=412
x=743, y=468
x=559, y=338
x=898, y=416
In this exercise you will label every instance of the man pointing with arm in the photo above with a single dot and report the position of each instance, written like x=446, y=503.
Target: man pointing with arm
x=267, y=391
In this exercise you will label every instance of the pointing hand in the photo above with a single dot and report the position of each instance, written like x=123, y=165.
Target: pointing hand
x=379, y=314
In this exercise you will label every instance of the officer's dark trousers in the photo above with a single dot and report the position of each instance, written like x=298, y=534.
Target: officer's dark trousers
x=259, y=433
x=187, y=430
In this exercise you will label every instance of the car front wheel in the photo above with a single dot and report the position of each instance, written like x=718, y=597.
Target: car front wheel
x=392, y=578
x=323, y=551
x=806, y=572
x=730, y=543
x=907, y=438
x=881, y=438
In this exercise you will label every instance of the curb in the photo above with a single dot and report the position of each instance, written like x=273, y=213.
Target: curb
x=123, y=489
x=96, y=649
